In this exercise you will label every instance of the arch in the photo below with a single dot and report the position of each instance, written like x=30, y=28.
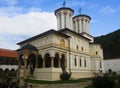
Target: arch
x=31, y=62
x=40, y=61
x=47, y=60
x=63, y=60
x=6, y=72
x=21, y=59
x=1, y=73
x=12, y=73
x=56, y=60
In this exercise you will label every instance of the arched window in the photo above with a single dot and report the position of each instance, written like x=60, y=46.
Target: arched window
x=77, y=47
x=63, y=61
x=47, y=60
x=85, y=63
x=1, y=72
x=80, y=62
x=6, y=72
x=56, y=60
x=62, y=42
x=82, y=48
x=96, y=53
x=40, y=61
x=75, y=62
x=12, y=72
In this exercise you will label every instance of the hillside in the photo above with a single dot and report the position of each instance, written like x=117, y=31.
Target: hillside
x=110, y=44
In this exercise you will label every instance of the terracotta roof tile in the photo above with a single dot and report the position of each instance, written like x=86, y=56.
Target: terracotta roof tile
x=8, y=53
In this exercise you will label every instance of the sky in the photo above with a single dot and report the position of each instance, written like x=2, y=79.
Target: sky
x=22, y=19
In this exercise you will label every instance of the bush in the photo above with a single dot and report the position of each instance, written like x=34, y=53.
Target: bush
x=103, y=82
x=65, y=76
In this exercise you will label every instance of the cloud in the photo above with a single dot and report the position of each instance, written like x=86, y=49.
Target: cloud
x=28, y=24
x=107, y=10
x=17, y=28
x=10, y=11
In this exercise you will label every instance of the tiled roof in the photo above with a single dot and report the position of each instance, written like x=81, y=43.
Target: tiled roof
x=8, y=53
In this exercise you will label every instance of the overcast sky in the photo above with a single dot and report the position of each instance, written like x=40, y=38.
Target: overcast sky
x=22, y=19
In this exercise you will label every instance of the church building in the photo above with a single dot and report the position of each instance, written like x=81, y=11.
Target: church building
x=71, y=46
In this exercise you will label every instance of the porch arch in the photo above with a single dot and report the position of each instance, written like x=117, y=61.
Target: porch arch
x=47, y=60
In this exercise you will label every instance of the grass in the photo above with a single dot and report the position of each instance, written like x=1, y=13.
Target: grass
x=57, y=82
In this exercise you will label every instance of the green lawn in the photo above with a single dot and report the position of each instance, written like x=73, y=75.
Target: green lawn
x=57, y=82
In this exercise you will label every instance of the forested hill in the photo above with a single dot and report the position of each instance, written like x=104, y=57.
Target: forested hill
x=110, y=44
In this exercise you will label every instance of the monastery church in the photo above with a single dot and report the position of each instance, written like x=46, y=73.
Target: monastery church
x=43, y=56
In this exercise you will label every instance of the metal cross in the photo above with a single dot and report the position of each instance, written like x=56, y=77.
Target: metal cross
x=64, y=3
x=80, y=10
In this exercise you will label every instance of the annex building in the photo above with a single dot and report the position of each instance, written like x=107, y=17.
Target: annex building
x=8, y=63
x=71, y=47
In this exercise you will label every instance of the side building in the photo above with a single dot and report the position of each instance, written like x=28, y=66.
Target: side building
x=8, y=62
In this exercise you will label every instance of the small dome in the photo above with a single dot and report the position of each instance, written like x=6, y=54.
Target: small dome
x=29, y=47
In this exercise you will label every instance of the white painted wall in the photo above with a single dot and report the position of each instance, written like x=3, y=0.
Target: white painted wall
x=113, y=64
x=8, y=67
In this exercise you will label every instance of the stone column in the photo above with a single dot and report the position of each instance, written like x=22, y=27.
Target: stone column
x=76, y=26
x=59, y=63
x=25, y=68
x=52, y=62
x=62, y=20
x=43, y=63
x=84, y=30
x=80, y=26
x=18, y=72
x=36, y=60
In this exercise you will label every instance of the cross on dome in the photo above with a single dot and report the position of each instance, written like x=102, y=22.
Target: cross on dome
x=64, y=3
x=80, y=10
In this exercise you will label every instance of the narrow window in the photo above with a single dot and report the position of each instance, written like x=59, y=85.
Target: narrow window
x=80, y=63
x=100, y=64
x=75, y=62
x=96, y=53
x=85, y=63
x=82, y=48
x=77, y=47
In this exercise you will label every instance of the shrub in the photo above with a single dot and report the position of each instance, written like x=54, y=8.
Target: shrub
x=65, y=76
x=103, y=82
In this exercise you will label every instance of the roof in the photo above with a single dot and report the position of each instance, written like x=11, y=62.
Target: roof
x=66, y=29
x=8, y=53
x=29, y=47
x=52, y=31
x=82, y=15
x=65, y=8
